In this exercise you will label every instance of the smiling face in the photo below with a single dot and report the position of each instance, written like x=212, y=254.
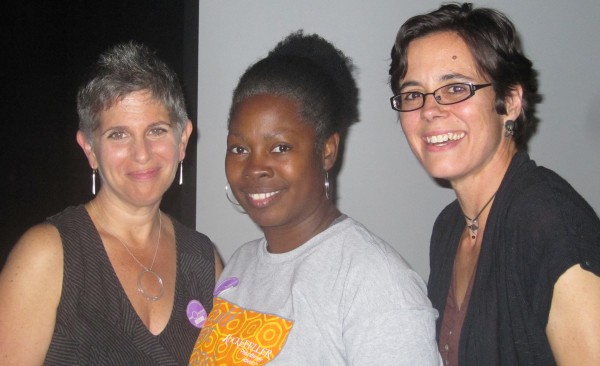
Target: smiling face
x=459, y=141
x=136, y=149
x=272, y=163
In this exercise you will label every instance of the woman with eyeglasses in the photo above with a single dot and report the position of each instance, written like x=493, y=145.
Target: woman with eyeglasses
x=319, y=288
x=515, y=259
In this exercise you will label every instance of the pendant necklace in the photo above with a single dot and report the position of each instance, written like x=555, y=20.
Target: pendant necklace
x=146, y=271
x=474, y=221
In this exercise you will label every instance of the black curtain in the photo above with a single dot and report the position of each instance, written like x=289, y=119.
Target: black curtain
x=48, y=47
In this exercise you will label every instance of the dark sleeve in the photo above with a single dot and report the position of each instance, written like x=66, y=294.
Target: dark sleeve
x=555, y=229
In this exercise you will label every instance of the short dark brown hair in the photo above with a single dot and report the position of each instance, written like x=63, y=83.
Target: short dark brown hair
x=496, y=49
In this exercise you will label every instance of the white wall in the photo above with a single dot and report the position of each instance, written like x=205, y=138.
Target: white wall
x=381, y=183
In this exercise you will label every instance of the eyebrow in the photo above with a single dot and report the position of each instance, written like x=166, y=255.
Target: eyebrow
x=268, y=135
x=127, y=128
x=445, y=77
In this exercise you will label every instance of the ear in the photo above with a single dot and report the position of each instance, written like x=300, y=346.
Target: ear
x=514, y=103
x=86, y=146
x=330, y=150
x=185, y=136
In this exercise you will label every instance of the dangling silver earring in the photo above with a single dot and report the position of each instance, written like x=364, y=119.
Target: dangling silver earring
x=327, y=185
x=94, y=181
x=180, y=172
x=234, y=202
x=509, y=128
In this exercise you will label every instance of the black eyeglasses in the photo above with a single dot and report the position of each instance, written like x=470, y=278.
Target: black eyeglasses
x=447, y=94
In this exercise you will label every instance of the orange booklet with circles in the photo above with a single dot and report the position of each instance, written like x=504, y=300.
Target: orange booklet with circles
x=236, y=336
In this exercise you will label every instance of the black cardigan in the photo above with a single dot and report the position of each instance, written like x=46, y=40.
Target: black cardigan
x=538, y=227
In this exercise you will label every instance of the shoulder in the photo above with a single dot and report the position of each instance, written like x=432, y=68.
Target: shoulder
x=36, y=264
x=184, y=232
x=547, y=224
x=361, y=246
x=373, y=262
x=40, y=245
x=191, y=241
x=529, y=185
x=542, y=200
x=30, y=291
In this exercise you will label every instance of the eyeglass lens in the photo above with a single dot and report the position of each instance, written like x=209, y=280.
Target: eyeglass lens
x=445, y=95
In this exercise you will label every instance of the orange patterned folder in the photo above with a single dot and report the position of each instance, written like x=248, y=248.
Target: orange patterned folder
x=236, y=336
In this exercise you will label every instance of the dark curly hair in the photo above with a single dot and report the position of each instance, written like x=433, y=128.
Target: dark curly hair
x=495, y=46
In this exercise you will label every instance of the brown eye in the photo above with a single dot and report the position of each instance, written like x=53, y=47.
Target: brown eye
x=237, y=150
x=411, y=96
x=116, y=135
x=282, y=148
x=158, y=131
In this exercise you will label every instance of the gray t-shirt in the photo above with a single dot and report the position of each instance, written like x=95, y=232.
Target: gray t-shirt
x=345, y=297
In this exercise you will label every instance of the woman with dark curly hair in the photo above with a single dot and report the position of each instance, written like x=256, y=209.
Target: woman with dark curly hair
x=319, y=288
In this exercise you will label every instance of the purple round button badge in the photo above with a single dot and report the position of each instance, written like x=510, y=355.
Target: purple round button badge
x=196, y=313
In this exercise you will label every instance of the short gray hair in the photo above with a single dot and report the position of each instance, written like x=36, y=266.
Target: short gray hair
x=123, y=69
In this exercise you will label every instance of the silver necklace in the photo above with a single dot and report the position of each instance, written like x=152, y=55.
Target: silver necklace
x=474, y=221
x=146, y=271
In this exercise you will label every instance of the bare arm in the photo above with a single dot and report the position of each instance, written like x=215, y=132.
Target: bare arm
x=218, y=265
x=30, y=289
x=574, y=318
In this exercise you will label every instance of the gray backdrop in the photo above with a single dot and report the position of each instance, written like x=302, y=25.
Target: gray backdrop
x=381, y=183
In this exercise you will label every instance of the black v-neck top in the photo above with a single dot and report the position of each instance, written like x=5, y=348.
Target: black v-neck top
x=96, y=323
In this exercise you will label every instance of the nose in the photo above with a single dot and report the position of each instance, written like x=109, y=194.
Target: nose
x=431, y=107
x=258, y=166
x=142, y=150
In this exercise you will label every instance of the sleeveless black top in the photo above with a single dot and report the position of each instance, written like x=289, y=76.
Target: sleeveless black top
x=95, y=322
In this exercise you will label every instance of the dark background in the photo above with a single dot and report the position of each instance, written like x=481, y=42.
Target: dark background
x=47, y=48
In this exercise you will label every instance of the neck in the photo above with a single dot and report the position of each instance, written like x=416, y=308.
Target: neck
x=137, y=226
x=475, y=190
x=287, y=238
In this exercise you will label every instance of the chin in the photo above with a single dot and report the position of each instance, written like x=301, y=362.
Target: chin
x=442, y=172
x=266, y=219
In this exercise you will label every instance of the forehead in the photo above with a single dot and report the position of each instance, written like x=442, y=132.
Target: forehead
x=268, y=114
x=137, y=105
x=438, y=57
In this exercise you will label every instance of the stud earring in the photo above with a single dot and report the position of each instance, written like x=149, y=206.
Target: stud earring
x=509, y=128
x=236, y=205
x=180, y=172
x=94, y=181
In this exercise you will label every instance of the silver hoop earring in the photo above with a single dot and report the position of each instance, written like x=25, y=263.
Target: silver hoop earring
x=180, y=172
x=509, y=128
x=236, y=205
x=94, y=181
x=327, y=185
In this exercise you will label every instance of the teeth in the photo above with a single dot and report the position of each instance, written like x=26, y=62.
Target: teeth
x=438, y=139
x=262, y=196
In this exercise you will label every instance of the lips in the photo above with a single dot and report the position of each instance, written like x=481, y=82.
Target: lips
x=443, y=138
x=262, y=199
x=144, y=174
